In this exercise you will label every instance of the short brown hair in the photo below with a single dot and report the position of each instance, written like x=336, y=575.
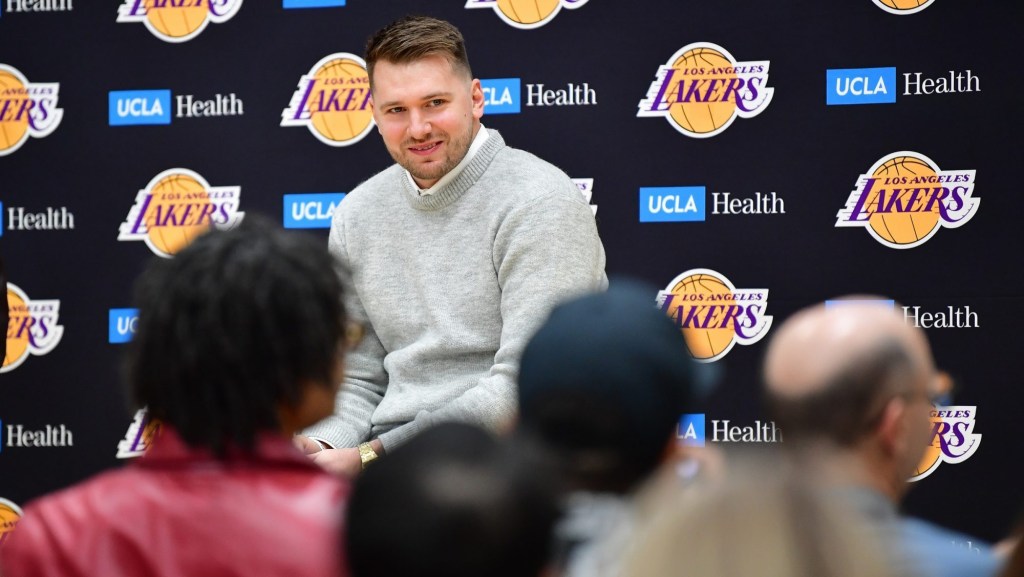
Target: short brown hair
x=414, y=37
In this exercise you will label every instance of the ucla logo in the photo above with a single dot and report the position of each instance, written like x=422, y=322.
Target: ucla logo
x=122, y=325
x=140, y=435
x=31, y=329
x=672, y=203
x=702, y=90
x=952, y=439
x=289, y=4
x=127, y=107
x=177, y=20
x=26, y=109
x=691, y=430
x=904, y=199
x=903, y=7
x=177, y=206
x=310, y=210
x=860, y=86
x=10, y=514
x=712, y=314
x=333, y=101
x=501, y=95
x=526, y=14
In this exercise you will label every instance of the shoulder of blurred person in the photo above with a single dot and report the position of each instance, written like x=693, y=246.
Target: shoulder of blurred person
x=181, y=511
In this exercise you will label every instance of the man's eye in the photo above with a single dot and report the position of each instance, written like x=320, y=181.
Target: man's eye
x=436, y=102
x=395, y=110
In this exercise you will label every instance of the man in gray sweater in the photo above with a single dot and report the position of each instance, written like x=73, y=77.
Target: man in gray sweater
x=452, y=258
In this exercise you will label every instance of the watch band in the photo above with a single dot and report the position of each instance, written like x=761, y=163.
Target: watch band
x=367, y=454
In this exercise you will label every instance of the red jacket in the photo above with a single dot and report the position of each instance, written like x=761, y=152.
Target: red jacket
x=180, y=512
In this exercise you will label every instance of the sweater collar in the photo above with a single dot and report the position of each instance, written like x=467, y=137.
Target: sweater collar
x=458, y=186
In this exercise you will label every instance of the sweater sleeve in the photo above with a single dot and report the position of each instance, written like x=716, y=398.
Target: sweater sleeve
x=365, y=377
x=544, y=252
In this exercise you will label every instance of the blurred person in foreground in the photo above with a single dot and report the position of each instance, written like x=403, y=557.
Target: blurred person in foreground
x=240, y=344
x=602, y=385
x=451, y=257
x=852, y=387
x=761, y=520
x=453, y=502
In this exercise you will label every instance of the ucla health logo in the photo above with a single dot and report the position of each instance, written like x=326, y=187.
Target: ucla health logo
x=501, y=95
x=10, y=514
x=714, y=315
x=26, y=109
x=860, y=86
x=127, y=107
x=122, y=325
x=177, y=20
x=141, y=433
x=703, y=89
x=904, y=199
x=672, y=203
x=691, y=430
x=526, y=14
x=953, y=439
x=333, y=101
x=903, y=7
x=313, y=4
x=31, y=329
x=177, y=206
x=310, y=210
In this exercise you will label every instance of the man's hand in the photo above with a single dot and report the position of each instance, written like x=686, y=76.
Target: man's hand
x=306, y=445
x=345, y=462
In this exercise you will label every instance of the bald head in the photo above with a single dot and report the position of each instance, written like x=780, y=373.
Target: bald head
x=829, y=369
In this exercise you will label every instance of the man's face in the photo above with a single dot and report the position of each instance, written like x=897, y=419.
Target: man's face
x=918, y=425
x=427, y=114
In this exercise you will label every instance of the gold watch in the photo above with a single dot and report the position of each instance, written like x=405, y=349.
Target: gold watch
x=367, y=454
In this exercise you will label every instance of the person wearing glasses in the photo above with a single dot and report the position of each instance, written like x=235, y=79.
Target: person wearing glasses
x=853, y=387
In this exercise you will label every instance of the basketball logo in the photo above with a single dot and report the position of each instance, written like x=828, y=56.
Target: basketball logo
x=526, y=14
x=10, y=514
x=26, y=109
x=31, y=327
x=904, y=199
x=333, y=101
x=714, y=315
x=952, y=439
x=703, y=89
x=177, y=206
x=139, y=437
x=176, y=21
x=903, y=7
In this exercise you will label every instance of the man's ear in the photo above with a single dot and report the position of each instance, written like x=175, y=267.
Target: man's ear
x=476, y=94
x=891, y=431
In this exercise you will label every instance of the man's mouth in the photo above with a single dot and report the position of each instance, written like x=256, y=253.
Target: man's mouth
x=425, y=149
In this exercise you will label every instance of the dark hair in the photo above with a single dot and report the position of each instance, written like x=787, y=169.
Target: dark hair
x=846, y=408
x=414, y=37
x=232, y=328
x=452, y=502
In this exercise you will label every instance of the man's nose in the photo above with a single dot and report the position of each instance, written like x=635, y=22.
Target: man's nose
x=419, y=125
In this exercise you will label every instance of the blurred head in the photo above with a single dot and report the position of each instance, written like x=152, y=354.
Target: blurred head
x=241, y=332
x=857, y=377
x=452, y=502
x=761, y=520
x=602, y=385
x=425, y=102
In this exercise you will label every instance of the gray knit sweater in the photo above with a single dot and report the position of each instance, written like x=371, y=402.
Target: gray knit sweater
x=450, y=287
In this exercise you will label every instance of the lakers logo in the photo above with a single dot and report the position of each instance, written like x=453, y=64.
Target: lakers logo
x=10, y=514
x=904, y=199
x=26, y=109
x=139, y=437
x=703, y=89
x=952, y=439
x=31, y=329
x=333, y=101
x=713, y=314
x=526, y=14
x=903, y=6
x=177, y=20
x=177, y=206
